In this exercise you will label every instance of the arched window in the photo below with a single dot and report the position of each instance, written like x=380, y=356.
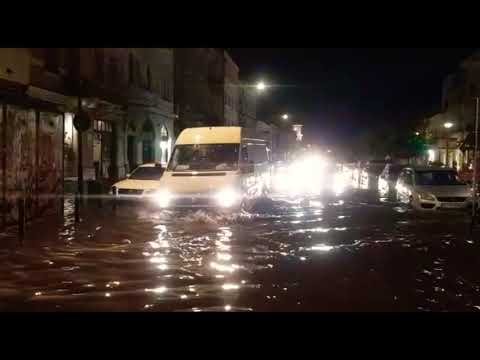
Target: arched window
x=164, y=133
x=130, y=69
x=164, y=145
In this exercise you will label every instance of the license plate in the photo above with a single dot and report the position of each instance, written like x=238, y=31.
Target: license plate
x=452, y=205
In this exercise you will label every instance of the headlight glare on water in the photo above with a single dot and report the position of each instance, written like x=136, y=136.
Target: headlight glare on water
x=163, y=198
x=227, y=197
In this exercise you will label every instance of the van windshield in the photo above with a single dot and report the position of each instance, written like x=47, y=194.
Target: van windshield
x=205, y=157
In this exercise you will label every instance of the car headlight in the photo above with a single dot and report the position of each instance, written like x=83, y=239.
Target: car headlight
x=227, y=197
x=162, y=198
x=426, y=196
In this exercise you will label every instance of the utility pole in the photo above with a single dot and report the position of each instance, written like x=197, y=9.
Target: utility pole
x=82, y=123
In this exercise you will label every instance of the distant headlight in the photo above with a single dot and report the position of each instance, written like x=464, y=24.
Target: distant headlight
x=426, y=196
x=227, y=197
x=162, y=198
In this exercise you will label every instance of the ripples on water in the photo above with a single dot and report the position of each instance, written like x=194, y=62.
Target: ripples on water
x=326, y=254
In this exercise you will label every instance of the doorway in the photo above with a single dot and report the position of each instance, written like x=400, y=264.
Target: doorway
x=132, y=163
x=148, y=136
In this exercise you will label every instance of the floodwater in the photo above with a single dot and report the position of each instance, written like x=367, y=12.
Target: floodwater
x=348, y=253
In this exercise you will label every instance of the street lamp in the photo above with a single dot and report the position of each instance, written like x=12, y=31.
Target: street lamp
x=261, y=86
x=285, y=116
x=448, y=125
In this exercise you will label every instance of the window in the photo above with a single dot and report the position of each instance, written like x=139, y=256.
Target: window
x=149, y=78
x=138, y=73
x=165, y=90
x=102, y=126
x=245, y=153
x=130, y=69
x=100, y=64
x=113, y=71
x=52, y=59
x=473, y=90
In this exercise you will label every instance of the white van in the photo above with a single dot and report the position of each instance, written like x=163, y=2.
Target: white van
x=215, y=167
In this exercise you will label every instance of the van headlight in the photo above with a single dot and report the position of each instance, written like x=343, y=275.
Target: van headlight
x=426, y=196
x=162, y=198
x=227, y=197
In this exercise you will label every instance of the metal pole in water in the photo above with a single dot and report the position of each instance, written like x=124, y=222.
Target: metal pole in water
x=475, y=161
x=21, y=215
x=79, y=167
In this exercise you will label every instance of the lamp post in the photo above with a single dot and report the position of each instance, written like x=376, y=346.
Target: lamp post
x=448, y=125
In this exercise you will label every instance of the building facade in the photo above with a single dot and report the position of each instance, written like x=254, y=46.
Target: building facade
x=231, y=92
x=127, y=94
x=452, y=145
x=247, y=106
x=199, y=87
x=207, y=88
x=31, y=134
x=150, y=117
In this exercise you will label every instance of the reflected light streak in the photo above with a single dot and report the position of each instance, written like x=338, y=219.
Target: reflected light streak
x=230, y=287
x=158, y=260
x=159, y=290
x=223, y=268
x=322, y=247
x=224, y=256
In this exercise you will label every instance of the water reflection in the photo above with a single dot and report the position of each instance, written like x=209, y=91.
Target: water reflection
x=313, y=253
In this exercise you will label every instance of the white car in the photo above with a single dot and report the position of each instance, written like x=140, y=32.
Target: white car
x=432, y=188
x=139, y=184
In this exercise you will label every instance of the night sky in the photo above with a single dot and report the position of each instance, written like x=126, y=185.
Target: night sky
x=339, y=92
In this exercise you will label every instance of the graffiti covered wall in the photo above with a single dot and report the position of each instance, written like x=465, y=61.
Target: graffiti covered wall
x=20, y=160
x=31, y=165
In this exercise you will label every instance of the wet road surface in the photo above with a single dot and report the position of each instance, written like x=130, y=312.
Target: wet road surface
x=350, y=253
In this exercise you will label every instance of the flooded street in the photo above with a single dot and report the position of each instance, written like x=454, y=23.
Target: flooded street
x=351, y=253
